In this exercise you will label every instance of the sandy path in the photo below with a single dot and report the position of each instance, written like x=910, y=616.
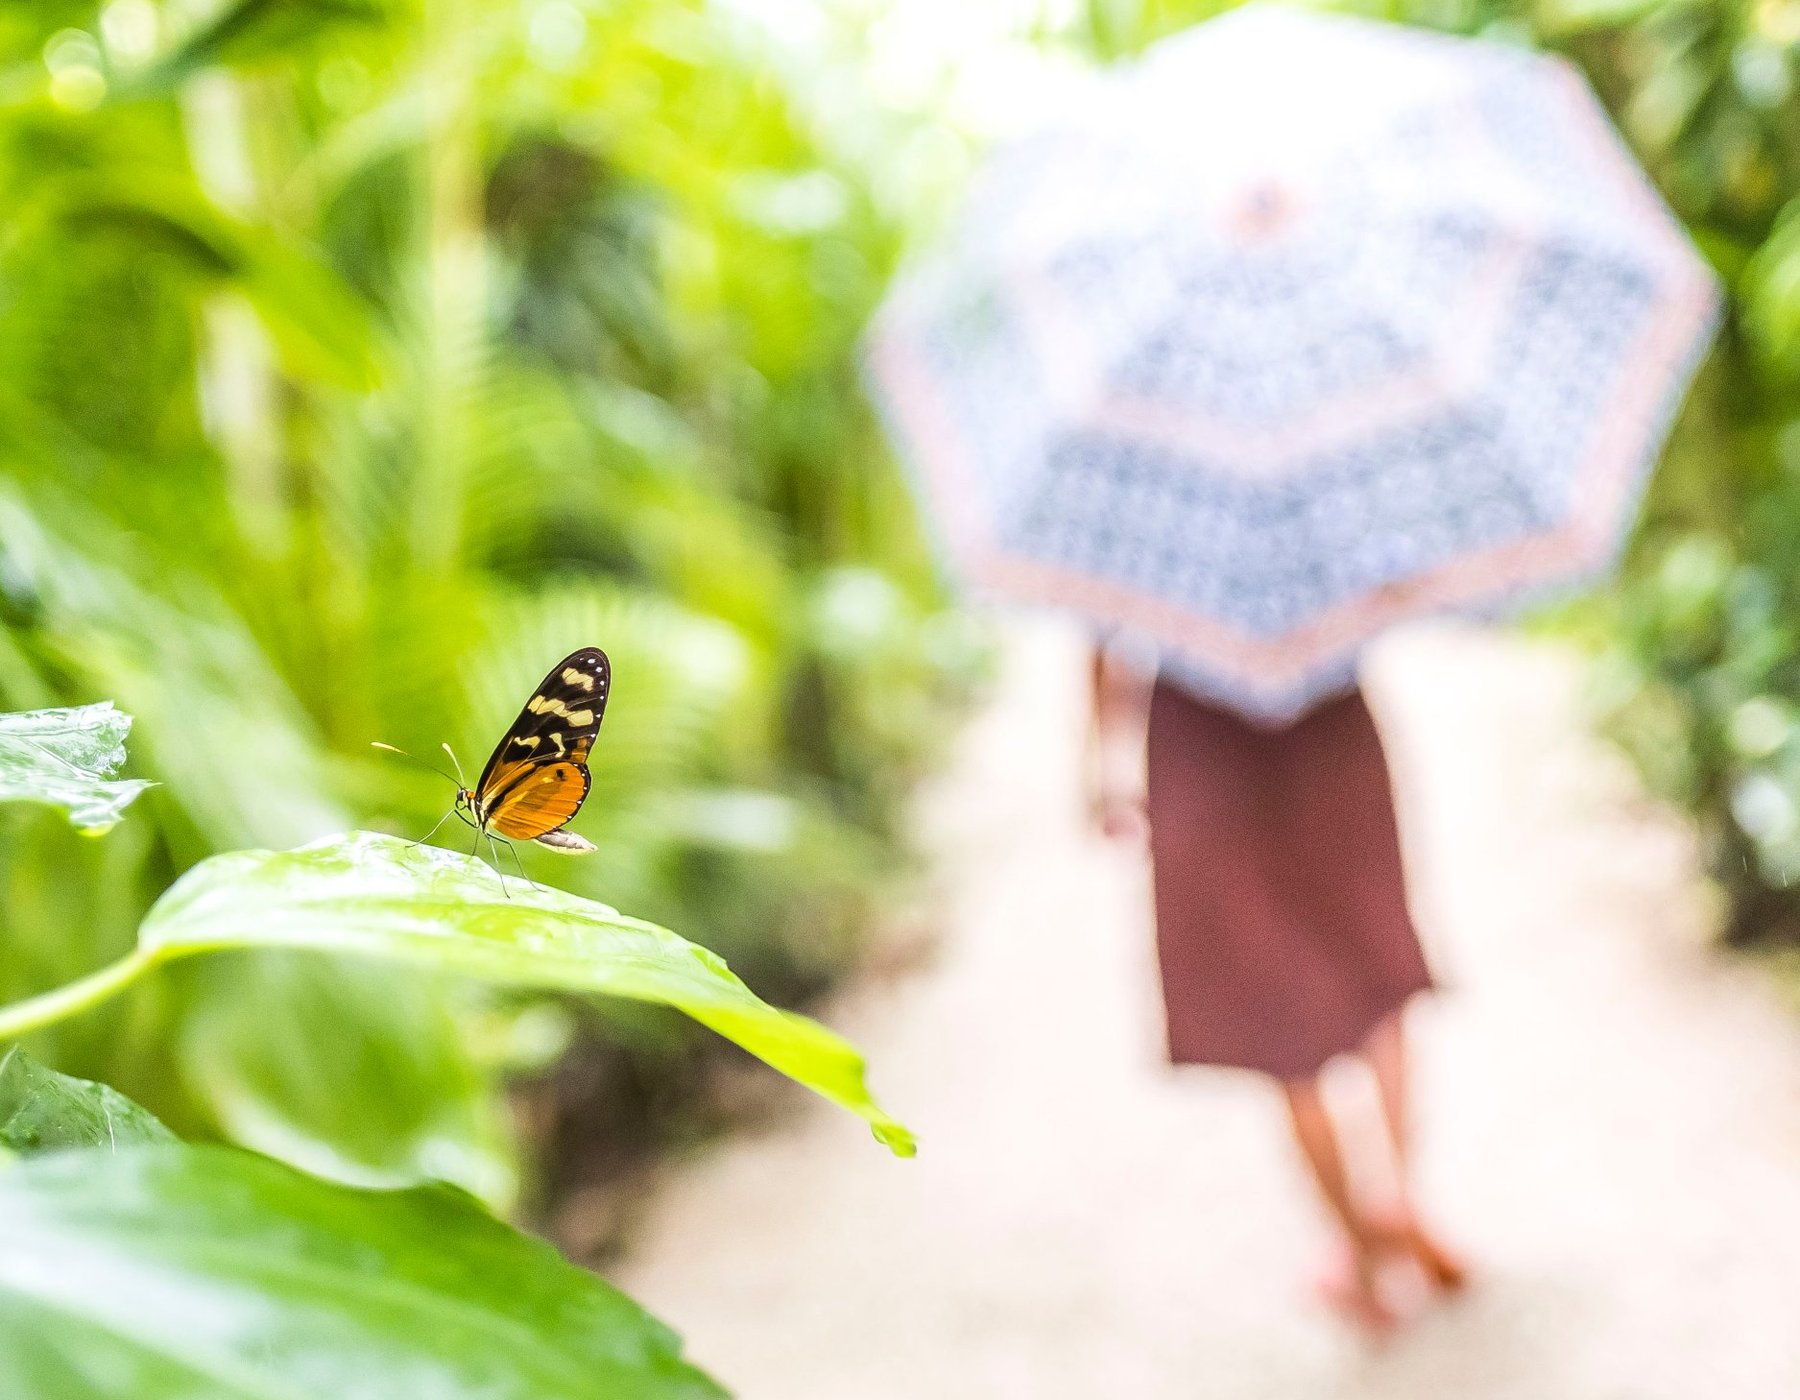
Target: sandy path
x=1612, y=1115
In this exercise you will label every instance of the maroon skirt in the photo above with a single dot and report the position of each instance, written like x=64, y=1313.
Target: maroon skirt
x=1281, y=922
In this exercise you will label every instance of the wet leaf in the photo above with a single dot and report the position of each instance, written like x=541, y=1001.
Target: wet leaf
x=42, y=1111
x=378, y=896
x=65, y=758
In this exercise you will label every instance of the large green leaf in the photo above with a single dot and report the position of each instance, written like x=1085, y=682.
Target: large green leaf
x=208, y=1273
x=41, y=1110
x=65, y=758
x=379, y=896
x=392, y=1096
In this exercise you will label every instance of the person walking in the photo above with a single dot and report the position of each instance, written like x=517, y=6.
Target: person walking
x=1283, y=938
x=1405, y=343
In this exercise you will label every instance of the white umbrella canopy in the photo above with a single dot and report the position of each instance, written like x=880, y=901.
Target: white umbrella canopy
x=1300, y=327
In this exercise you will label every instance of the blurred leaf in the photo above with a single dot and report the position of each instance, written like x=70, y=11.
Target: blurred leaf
x=205, y=693
x=391, y=1096
x=1566, y=18
x=41, y=1111
x=199, y=1273
x=318, y=322
x=247, y=30
x=1771, y=291
x=64, y=758
x=1668, y=101
x=381, y=897
x=555, y=315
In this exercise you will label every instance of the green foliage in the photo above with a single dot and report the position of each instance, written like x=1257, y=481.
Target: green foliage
x=211, y=1274
x=131, y=1265
x=356, y=361
x=43, y=1111
x=1700, y=676
x=63, y=758
x=380, y=897
x=376, y=896
x=249, y=1044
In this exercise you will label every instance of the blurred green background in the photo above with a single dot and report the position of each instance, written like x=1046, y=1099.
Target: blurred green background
x=358, y=358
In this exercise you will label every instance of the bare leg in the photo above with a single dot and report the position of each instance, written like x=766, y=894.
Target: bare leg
x=1357, y=1297
x=1385, y=1051
x=1400, y=1229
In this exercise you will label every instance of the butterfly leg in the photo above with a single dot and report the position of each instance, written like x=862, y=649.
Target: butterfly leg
x=523, y=875
x=495, y=850
x=434, y=830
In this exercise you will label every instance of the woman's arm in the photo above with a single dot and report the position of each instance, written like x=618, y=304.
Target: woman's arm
x=1115, y=758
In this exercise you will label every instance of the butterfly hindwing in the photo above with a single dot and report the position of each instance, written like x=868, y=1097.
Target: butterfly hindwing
x=547, y=797
x=537, y=777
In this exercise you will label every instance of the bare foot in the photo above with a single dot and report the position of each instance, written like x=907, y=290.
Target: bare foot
x=1401, y=1233
x=1442, y=1267
x=1346, y=1283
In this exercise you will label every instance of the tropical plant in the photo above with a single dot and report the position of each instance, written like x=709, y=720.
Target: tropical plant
x=357, y=359
x=133, y=1266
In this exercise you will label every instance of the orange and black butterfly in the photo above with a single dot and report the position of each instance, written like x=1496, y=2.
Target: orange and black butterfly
x=537, y=778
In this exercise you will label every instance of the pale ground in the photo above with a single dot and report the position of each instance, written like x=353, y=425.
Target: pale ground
x=1611, y=1114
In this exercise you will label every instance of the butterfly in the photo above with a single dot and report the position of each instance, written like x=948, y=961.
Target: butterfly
x=537, y=778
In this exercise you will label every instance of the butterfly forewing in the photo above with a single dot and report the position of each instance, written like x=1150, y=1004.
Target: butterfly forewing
x=537, y=777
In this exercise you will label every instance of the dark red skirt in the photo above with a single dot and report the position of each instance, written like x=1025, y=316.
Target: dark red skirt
x=1282, y=928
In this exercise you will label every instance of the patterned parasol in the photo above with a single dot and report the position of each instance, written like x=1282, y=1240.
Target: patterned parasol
x=1302, y=327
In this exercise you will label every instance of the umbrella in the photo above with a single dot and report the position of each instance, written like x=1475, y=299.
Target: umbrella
x=1302, y=327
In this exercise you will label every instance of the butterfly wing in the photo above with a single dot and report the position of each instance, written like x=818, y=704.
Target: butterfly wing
x=537, y=776
x=549, y=795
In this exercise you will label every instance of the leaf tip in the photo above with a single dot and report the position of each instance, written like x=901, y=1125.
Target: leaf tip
x=895, y=1137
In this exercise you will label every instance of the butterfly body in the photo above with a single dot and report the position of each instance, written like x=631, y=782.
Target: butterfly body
x=537, y=777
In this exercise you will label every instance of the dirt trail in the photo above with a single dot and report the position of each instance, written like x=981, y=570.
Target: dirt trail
x=1611, y=1114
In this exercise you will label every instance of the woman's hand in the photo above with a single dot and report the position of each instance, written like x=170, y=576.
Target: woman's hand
x=1118, y=814
x=1114, y=767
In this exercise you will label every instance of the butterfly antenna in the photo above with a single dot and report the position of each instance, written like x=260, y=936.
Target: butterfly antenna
x=460, y=782
x=377, y=744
